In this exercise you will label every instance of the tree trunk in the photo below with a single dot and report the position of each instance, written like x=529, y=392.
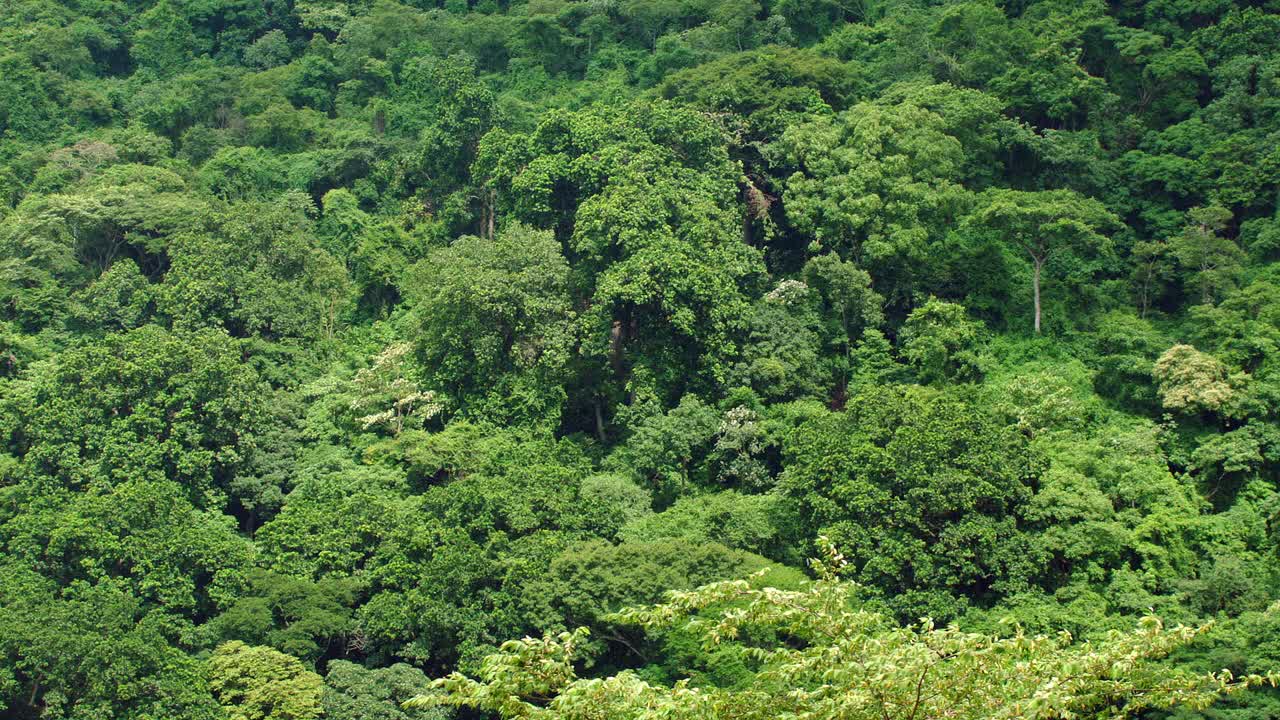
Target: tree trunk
x=1035, y=286
x=599, y=421
x=493, y=210
x=615, y=347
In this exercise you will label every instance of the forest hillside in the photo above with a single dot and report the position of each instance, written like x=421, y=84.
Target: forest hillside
x=737, y=359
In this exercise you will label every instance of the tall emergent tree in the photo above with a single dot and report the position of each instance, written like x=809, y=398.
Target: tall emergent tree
x=1045, y=224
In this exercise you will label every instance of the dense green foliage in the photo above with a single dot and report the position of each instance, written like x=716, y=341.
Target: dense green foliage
x=344, y=341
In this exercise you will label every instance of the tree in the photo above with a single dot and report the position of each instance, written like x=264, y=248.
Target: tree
x=782, y=351
x=268, y=51
x=1151, y=270
x=742, y=522
x=120, y=299
x=666, y=451
x=812, y=19
x=325, y=527
x=1214, y=261
x=244, y=173
x=93, y=650
x=257, y=273
x=589, y=580
x=394, y=398
x=353, y=692
x=443, y=105
x=876, y=184
x=259, y=683
x=941, y=341
x=1128, y=347
x=923, y=488
x=619, y=495
x=1108, y=514
x=873, y=363
x=376, y=249
x=1191, y=380
x=141, y=537
x=148, y=404
x=766, y=87
x=296, y=615
x=105, y=212
x=39, y=264
x=1045, y=224
x=851, y=306
x=825, y=657
x=27, y=108
x=164, y=40
x=643, y=199
x=494, y=324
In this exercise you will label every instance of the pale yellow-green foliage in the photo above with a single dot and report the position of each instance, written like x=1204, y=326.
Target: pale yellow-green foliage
x=260, y=683
x=394, y=397
x=1190, y=380
x=819, y=656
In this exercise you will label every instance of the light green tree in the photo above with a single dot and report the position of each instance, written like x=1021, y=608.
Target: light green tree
x=388, y=396
x=259, y=683
x=820, y=656
x=1190, y=380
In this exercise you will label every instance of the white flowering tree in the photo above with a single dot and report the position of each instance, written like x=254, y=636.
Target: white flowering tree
x=388, y=396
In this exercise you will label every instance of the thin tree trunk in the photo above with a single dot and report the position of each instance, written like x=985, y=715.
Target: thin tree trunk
x=615, y=347
x=493, y=210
